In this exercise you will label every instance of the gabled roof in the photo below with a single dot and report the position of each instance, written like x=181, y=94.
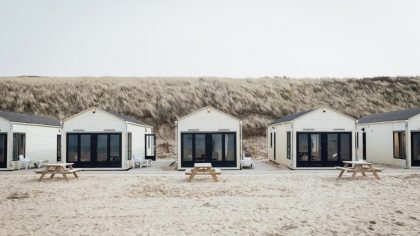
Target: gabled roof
x=30, y=119
x=205, y=108
x=390, y=116
x=120, y=116
x=291, y=117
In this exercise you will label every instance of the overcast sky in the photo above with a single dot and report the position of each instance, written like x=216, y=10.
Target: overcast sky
x=236, y=38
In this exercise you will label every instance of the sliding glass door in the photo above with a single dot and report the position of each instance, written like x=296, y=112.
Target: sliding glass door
x=323, y=149
x=415, y=148
x=3, y=150
x=94, y=149
x=216, y=148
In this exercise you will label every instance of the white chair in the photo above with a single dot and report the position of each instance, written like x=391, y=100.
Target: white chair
x=141, y=162
x=25, y=162
x=247, y=162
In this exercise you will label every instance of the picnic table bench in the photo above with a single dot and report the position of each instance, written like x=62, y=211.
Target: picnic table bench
x=358, y=167
x=203, y=169
x=58, y=168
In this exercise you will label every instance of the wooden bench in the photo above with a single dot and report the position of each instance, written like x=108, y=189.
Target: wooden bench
x=365, y=169
x=58, y=168
x=358, y=166
x=202, y=169
x=217, y=171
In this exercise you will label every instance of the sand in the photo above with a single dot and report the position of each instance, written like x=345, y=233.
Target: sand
x=103, y=203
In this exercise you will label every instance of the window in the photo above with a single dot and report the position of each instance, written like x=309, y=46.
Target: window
x=303, y=147
x=18, y=145
x=187, y=147
x=129, y=148
x=230, y=147
x=114, y=147
x=271, y=140
x=102, y=148
x=357, y=140
x=399, y=144
x=72, y=147
x=216, y=141
x=289, y=149
x=58, y=148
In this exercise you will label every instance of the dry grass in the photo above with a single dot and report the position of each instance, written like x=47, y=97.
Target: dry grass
x=160, y=101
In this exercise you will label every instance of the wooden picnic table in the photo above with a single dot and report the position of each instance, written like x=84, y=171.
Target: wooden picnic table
x=202, y=169
x=358, y=167
x=58, y=168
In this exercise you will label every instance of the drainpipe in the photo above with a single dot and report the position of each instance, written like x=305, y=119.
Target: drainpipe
x=407, y=134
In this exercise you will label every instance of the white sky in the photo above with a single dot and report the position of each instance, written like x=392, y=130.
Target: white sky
x=236, y=38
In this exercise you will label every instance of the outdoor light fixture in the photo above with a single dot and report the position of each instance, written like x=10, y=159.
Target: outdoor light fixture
x=93, y=110
x=324, y=110
x=208, y=109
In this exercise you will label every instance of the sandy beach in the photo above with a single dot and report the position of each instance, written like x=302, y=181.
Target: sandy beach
x=288, y=203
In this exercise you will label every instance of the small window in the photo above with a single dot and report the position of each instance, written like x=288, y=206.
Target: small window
x=271, y=140
x=58, y=148
x=357, y=140
x=130, y=152
x=289, y=148
x=19, y=140
x=399, y=144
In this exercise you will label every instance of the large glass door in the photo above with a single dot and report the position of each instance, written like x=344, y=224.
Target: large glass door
x=94, y=149
x=216, y=148
x=3, y=150
x=415, y=148
x=150, y=146
x=323, y=149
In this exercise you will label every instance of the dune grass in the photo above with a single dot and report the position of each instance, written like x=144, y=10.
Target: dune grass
x=161, y=101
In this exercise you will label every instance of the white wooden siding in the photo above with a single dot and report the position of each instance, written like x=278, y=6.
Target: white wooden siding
x=328, y=121
x=379, y=142
x=213, y=121
x=41, y=141
x=138, y=139
x=98, y=122
x=281, y=145
x=315, y=121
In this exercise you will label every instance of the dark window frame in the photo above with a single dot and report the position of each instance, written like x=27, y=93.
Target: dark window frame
x=58, y=147
x=5, y=151
x=93, y=163
x=271, y=139
x=15, y=156
x=222, y=163
x=357, y=140
x=129, y=145
x=401, y=144
x=324, y=161
x=289, y=145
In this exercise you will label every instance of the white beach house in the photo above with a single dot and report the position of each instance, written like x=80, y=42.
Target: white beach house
x=315, y=138
x=209, y=135
x=98, y=139
x=391, y=138
x=34, y=137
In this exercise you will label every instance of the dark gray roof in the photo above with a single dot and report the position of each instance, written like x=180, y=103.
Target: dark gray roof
x=129, y=118
x=31, y=119
x=290, y=117
x=390, y=116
